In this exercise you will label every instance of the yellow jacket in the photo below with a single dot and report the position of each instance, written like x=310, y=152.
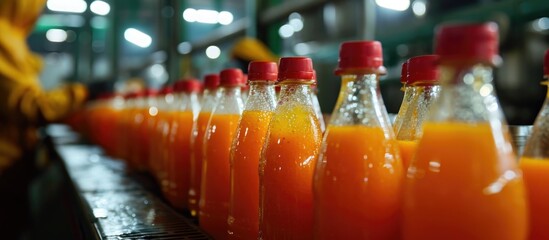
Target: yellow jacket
x=24, y=106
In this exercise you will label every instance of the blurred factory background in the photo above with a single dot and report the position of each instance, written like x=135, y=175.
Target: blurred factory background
x=105, y=43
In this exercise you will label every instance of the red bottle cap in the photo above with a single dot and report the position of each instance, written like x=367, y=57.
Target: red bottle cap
x=231, y=77
x=166, y=90
x=423, y=69
x=262, y=70
x=149, y=92
x=468, y=43
x=211, y=81
x=404, y=73
x=296, y=68
x=187, y=85
x=546, y=64
x=360, y=57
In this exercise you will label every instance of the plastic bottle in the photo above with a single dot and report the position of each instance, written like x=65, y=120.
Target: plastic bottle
x=243, y=217
x=179, y=142
x=409, y=93
x=464, y=182
x=209, y=98
x=316, y=104
x=147, y=110
x=164, y=108
x=289, y=156
x=214, y=198
x=358, y=177
x=423, y=78
x=535, y=167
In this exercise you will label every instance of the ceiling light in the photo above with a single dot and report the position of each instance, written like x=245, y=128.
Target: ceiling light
x=72, y=6
x=137, y=37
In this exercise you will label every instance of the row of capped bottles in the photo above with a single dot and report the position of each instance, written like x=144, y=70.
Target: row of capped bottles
x=265, y=168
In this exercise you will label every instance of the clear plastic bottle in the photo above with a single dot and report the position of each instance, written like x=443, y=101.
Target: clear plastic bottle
x=164, y=108
x=243, y=217
x=358, y=177
x=289, y=155
x=147, y=110
x=409, y=93
x=423, y=77
x=535, y=168
x=464, y=182
x=178, y=142
x=214, y=198
x=209, y=98
x=316, y=104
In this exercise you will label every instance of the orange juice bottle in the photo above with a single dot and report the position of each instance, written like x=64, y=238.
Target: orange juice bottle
x=122, y=126
x=535, y=168
x=464, y=182
x=165, y=102
x=135, y=119
x=214, y=197
x=357, y=182
x=179, y=142
x=209, y=98
x=409, y=93
x=243, y=217
x=289, y=155
x=423, y=77
x=144, y=117
x=316, y=104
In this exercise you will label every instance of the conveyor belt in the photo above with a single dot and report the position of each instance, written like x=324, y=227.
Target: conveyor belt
x=119, y=203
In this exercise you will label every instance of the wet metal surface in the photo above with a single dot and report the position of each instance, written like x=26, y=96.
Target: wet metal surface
x=119, y=205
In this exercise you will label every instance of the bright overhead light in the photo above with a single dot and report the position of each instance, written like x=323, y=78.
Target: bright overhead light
x=100, y=7
x=541, y=24
x=397, y=5
x=286, y=31
x=225, y=18
x=419, y=8
x=72, y=6
x=189, y=15
x=297, y=24
x=184, y=47
x=137, y=37
x=56, y=35
x=207, y=16
x=213, y=52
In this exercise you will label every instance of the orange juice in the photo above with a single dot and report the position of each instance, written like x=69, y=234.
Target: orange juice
x=155, y=137
x=407, y=150
x=178, y=164
x=286, y=173
x=140, y=152
x=461, y=185
x=244, y=215
x=158, y=156
x=214, y=198
x=535, y=173
x=196, y=161
x=358, y=185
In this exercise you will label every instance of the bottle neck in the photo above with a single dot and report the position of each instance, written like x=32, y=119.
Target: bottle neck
x=209, y=99
x=466, y=95
x=361, y=103
x=417, y=110
x=186, y=101
x=296, y=92
x=261, y=96
x=230, y=101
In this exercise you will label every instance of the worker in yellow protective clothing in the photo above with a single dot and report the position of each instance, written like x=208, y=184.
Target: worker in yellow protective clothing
x=247, y=49
x=24, y=107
